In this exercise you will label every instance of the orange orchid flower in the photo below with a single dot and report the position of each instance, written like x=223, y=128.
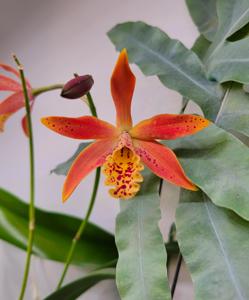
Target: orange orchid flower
x=123, y=149
x=14, y=101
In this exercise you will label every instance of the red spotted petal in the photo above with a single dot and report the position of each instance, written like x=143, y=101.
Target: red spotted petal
x=122, y=87
x=90, y=158
x=86, y=127
x=163, y=162
x=168, y=127
x=8, y=68
x=12, y=103
x=9, y=84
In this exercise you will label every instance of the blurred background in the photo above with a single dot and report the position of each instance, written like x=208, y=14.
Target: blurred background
x=55, y=39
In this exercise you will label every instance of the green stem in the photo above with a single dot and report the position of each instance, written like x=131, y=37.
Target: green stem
x=91, y=104
x=32, y=182
x=84, y=222
x=81, y=227
x=44, y=89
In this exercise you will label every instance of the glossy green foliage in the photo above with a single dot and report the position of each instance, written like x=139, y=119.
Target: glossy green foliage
x=141, y=268
x=53, y=234
x=73, y=290
x=215, y=246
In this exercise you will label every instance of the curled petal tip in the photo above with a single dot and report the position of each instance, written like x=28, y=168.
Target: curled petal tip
x=44, y=121
x=64, y=197
x=193, y=188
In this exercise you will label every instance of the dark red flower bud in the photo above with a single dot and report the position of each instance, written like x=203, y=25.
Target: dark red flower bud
x=77, y=87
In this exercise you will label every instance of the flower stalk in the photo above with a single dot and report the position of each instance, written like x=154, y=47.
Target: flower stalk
x=44, y=89
x=32, y=181
x=84, y=222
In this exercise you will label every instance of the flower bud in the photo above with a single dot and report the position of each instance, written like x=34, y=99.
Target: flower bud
x=77, y=87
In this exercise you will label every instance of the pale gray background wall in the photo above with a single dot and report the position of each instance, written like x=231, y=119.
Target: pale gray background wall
x=54, y=39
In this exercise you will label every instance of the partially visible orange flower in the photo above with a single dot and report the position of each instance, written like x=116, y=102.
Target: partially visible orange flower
x=15, y=100
x=123, y=149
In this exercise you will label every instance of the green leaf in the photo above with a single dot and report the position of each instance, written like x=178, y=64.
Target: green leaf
x=232, y=16
x=231, y=62
x=204, y=15
x=176, y=66
x=63, y=168
x=141, y=268
x=235, y=111
x=217, y=162
x=200, y=46
x=215, y=246
x=54, y=233
x=76, y=288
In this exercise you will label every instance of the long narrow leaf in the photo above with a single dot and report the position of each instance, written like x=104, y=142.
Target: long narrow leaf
x=141, y=268
x=54, y=233
x=215, y=246
x=76, y=288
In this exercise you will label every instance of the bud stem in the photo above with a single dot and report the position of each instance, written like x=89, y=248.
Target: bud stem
x=45, y=89
x=84, y=221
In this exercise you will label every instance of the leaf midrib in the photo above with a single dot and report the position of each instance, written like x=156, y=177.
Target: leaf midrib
x=167, y=62
x=140, y=250
x=222, y=249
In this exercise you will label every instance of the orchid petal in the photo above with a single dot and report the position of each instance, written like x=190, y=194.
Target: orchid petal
x=3, y=119
x=122, y=87
x=9, y=84
x=8, y=68
x=12, y=103
x=90, y=158
x=163, y=162
x=168, y=126
x=86, y=127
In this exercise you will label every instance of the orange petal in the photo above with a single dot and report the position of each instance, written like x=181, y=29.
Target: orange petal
x=168, y=126
x=8, y=68
x=12, y=103
x=90, y=158
x=122, y=87
x=86, y=127
x=163, y=162
x=9, y=84
x=3, y=119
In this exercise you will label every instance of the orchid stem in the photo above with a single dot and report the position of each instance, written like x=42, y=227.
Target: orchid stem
x=91, y=104
x=84, y=222
x=44, y=89
x=32, y=182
